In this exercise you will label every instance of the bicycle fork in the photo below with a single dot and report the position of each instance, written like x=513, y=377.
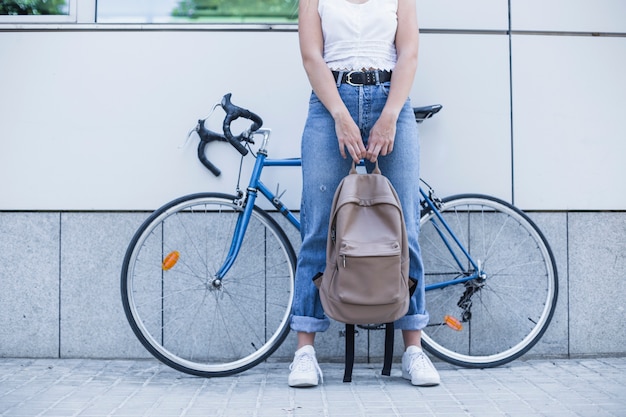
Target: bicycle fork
x=239, y=233
x=246, y=202
x=246, y=205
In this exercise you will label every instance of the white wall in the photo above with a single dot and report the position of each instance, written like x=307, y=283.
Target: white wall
x=599, y=16
x=569, y=98
x=92, y=119
x=569, y=132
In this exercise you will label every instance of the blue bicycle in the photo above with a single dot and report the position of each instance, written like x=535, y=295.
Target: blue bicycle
x=208, y=279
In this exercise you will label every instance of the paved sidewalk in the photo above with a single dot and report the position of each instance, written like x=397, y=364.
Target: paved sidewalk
x=43, y=387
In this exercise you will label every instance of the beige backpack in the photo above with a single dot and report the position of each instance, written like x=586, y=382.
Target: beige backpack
x=366, y=279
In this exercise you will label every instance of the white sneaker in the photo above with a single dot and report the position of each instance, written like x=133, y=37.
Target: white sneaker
x=304, y=368
x=418, y=368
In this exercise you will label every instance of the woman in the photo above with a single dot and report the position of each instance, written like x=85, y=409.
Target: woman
x=360, y=57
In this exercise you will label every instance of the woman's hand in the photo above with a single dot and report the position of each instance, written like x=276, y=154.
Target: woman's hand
x=349, y=137
x=382, y=137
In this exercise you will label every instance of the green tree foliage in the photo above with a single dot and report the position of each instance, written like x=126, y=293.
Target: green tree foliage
x=32, y=7
x=198, y=9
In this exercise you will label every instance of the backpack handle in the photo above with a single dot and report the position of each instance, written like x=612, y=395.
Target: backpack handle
x=376, y=169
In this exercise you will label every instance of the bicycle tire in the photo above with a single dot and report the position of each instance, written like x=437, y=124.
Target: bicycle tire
x=177, y=310
x=503, y=315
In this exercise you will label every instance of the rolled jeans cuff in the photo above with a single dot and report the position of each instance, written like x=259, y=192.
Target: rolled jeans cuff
x=412, y=322
x=309, y=324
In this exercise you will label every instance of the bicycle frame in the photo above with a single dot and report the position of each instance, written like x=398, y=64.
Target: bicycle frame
x=478, y=273
x=255, y=186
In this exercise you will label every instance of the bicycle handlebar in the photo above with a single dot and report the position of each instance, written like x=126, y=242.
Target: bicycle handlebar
x=233, y=112
x=207, y=136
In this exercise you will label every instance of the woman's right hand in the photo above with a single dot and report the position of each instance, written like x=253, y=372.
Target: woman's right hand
x=349, y=137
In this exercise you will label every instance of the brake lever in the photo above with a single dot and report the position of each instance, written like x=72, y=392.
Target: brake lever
x=191, y=132
x=197, y=128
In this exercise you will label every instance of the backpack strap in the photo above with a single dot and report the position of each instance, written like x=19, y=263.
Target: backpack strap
x=376, y=169
x=349, y=359
x=389, y=333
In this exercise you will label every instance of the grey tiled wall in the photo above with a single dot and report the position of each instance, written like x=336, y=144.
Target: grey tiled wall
x=29, y=284
x=60, y=297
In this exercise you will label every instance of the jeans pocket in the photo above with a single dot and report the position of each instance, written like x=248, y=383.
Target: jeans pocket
x=385, y=88
x=314, y=99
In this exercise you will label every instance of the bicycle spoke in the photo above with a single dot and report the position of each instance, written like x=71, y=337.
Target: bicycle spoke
x=184, y=315
x=503, y=314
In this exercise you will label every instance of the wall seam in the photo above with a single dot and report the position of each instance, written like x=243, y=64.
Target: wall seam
x=60, y=279
x=241, y=28
x=512, y=144
x=567, y=286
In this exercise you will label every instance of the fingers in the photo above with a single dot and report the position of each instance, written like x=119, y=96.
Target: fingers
x=355, y=150
x=372, y=154
x=376, y=149
x=381, y=140
x=349, y=138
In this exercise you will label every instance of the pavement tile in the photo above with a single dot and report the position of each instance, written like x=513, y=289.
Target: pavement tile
x=587, y=387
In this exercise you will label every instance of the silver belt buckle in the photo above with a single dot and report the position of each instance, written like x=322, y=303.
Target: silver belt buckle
x=349, y=79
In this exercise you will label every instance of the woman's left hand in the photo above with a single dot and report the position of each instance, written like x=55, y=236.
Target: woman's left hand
x=381, y=139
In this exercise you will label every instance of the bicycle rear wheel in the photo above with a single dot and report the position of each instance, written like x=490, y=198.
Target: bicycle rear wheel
x=186, y=317
x=501, y=315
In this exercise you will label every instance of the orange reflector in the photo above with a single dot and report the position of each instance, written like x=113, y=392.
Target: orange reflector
x=170, y=260
x=453, y=323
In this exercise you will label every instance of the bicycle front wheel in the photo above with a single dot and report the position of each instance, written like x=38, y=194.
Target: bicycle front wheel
x=187, y=316
x=501, y=313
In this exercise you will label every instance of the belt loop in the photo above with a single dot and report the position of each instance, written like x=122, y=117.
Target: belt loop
x=339, y=78
x=377, y=76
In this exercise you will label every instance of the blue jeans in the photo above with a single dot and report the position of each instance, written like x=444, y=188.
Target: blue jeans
x=322, y=171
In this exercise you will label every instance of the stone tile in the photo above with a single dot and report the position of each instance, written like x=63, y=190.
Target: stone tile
x=597, y=261
x=555, y=341
x=29, y=284
x=148, y=388
x=93, y=323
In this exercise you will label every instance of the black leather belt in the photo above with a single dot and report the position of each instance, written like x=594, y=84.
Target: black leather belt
x=358, y=78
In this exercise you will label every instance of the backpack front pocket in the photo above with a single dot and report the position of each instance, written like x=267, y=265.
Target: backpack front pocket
x=369, y=274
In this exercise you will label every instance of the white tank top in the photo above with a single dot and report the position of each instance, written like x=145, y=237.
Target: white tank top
x=359, y=36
